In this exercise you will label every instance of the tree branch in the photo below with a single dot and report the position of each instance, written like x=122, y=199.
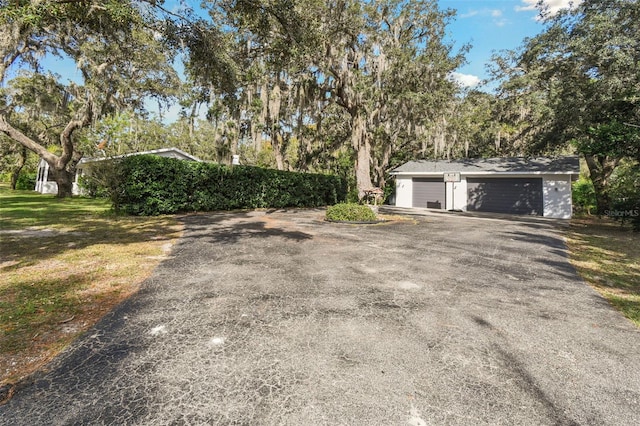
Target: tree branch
x=26, y=141
x=67, y=142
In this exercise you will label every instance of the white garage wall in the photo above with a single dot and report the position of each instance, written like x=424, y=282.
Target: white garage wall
x=556, y=198
x=404, y=191
x=459, y=199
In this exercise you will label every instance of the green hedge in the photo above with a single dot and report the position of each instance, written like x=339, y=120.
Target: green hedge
x=151, y=185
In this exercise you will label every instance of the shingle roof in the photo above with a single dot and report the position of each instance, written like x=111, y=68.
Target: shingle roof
x=567, y=164
x=164, y=152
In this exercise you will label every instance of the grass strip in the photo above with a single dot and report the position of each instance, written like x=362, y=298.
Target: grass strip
x=64, y=263
x=607, y=256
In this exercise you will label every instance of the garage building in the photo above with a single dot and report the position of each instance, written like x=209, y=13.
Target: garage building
x=528, y=186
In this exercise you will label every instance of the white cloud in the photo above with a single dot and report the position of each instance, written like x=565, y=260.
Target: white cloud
x=469, y=14
x=465, y=80
x=482, y=12
x=550, y=6
x=530, y=5
x=495, y=14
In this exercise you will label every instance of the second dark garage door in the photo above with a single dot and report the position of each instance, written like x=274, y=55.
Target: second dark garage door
x=505, y=195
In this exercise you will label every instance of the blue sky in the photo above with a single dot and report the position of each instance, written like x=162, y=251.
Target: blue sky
x=491, y=26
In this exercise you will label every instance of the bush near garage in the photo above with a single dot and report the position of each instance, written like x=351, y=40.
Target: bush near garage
x=149, y=185
x=350, y=212
x=584, y=196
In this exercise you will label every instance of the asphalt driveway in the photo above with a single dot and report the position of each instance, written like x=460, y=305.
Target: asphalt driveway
x=278, y=318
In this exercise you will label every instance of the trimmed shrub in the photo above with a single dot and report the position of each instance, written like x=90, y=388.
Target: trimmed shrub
x=151, y=185
x=350, y=212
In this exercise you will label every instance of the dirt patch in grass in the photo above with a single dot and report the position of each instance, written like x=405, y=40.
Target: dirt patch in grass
x=607, y=256
x=64, y=266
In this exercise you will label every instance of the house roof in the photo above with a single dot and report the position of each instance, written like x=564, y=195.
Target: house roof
x=163, y=152
x=556, y=165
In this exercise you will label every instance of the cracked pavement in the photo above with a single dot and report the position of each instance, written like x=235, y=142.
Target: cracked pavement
x=278, y=318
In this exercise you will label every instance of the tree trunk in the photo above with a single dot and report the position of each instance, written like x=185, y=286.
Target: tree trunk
x=234, y=138
x=381, y=167
x=64, y=179
x=360, y=142
x=600, y=170
x=262, y=118
x=278, y=144
x=304, y=144
x=18, y=167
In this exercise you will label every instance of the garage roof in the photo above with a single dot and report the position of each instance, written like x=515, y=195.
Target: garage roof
x=562, y=165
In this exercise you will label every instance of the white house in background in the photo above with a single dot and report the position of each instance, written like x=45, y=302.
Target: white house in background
x=46, y=184
x=529, y=186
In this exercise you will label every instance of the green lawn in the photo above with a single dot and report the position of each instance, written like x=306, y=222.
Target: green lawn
x=64, y=263
x=22, y=209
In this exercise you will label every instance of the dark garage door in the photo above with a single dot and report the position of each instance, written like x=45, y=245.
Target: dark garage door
x=429, y=192
x=500, y=195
